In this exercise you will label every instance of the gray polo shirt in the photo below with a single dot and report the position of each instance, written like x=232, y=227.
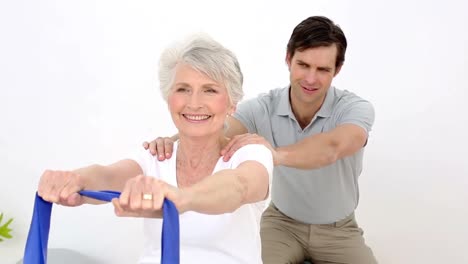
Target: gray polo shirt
x=316, y=196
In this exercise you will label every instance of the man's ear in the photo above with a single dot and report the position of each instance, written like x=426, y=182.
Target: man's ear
x=288, y=60
x=338, y=69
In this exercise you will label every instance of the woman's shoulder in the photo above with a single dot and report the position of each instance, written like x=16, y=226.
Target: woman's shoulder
x=256, y=152
x=150, y=164
x=252, y=149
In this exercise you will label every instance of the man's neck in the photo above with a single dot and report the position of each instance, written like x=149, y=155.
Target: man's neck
x=304, y=113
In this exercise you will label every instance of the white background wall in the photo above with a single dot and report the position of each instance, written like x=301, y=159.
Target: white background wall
x=78, y=85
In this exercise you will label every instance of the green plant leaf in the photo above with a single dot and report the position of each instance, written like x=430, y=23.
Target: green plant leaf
x=4, y=229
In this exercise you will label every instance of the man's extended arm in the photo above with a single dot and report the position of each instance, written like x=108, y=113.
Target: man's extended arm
x=322, y=149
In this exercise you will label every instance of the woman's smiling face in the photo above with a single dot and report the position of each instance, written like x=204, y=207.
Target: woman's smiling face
x=197, y=103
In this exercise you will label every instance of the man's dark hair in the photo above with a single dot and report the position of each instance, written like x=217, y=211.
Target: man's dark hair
x=318, y=31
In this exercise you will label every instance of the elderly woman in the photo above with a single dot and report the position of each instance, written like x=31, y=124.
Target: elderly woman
x=220, y=202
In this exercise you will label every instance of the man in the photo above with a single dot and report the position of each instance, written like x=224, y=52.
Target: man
x=317, y=135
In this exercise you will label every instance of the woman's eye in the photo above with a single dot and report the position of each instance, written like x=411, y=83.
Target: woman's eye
x=181, y=89
x=211, y=90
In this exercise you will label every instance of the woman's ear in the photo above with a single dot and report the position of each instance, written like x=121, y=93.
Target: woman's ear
x=232, y=110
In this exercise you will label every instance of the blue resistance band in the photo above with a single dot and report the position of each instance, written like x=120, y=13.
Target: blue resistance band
x=36, y=245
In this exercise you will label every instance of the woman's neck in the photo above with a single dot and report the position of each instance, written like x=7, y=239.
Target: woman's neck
x=192, y=152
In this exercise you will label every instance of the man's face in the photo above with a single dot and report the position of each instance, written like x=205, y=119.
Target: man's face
x=311, y=73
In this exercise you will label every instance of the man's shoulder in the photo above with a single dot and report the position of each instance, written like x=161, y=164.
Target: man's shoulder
x=268, y=99
x=345, y=98
x=349, y=106
x=273, y=94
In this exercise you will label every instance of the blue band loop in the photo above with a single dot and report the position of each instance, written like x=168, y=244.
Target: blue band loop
x=36, y=245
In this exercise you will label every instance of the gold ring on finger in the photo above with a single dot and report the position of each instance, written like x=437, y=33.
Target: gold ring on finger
x=147, y=196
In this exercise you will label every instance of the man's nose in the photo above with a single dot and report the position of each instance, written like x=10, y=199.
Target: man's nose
x=311, y=76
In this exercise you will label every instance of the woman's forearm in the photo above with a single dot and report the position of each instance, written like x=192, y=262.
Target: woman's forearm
x=227, y=190
x=110, y=177
x=219, y=193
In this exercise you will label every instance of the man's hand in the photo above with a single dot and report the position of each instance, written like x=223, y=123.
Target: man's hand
x=241, y=140
x=161, y=146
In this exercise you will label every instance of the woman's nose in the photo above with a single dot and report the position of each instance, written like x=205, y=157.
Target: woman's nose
x=194, y=100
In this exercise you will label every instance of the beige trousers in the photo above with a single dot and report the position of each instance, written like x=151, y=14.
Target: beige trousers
x=285, y=240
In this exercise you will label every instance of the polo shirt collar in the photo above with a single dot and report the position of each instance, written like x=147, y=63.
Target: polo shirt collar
x=327, y=106
x=284, y=107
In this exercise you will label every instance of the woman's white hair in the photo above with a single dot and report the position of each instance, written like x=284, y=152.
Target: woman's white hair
x=207, y=56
